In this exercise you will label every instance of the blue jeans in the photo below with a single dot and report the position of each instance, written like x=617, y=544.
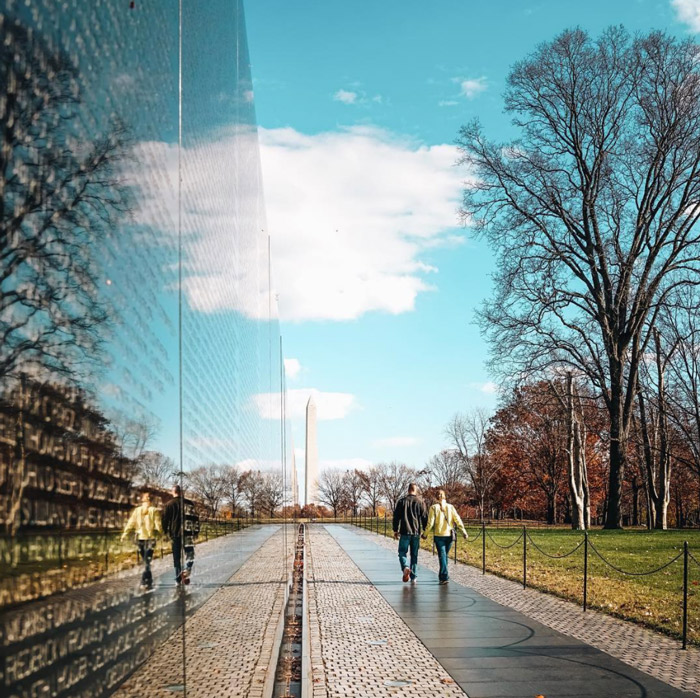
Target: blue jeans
x=443, y=545
x=407, y=542
x=177, y=556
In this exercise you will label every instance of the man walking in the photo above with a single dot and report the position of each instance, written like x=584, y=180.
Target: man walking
x=181, y=532
x=410, y=518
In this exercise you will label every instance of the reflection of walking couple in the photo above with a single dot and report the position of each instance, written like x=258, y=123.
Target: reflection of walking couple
x=412, y=522
x=146, y=523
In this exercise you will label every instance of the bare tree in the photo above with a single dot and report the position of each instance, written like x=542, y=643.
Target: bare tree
x=353, y=489
x=272, y=495
x=592, y=210
x=252, y=486
x=654, y=430
x=207, y=484
x=232, y=487
x=60, y=193
x=372, y=487
x=331, y=490
x=156, y=470
x=467, y=436
x=446, y=469
x=394, y=479
x=680, y=328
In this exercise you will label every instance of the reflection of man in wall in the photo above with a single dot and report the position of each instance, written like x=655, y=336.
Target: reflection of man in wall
x=146, y=524
x=182, y=532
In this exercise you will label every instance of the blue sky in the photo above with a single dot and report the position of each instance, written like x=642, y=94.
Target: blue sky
x=358, y=105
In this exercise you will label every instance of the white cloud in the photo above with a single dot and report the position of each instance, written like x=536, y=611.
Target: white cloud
x=352, y=212
x=490, y=388
x=292, y=368
x=345, y=96
x=329, y=406
x=397, y=441
x=688, y=12
x=471, y=87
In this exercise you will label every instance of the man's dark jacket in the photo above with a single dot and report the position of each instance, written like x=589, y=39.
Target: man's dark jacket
x=410, y=516
x=172, y=522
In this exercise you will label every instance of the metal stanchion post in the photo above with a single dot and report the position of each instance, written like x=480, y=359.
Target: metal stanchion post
x=483, y=548
x=685, y=594
x=456, y=539
x=585, y=571
x=524, y=557
x=385, y=522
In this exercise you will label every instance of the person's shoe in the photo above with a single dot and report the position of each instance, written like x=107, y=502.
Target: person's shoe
x=414, y=581
x=185, y=576
x=406, y=574
x=443, y=581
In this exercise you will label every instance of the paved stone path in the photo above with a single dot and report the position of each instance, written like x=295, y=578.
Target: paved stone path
x=359, y=645
x=493, y=650
x=229, y=642
x=653, y=653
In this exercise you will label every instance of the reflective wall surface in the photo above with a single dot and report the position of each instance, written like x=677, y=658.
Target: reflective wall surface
x=139, y=341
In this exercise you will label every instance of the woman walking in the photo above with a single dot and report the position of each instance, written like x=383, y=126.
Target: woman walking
x=442, y=520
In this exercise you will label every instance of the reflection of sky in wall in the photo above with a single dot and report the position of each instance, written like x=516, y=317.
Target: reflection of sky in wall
x=128, y=65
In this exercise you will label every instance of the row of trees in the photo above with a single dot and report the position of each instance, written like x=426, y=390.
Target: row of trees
x=592, y=211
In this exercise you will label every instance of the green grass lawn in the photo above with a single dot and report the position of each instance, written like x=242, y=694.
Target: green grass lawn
x=655, y=601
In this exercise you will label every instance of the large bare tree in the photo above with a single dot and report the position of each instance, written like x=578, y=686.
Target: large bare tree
x=395, y=478
x=467, y=436
x=60, y=194
x=592, y=211
x=331, y=490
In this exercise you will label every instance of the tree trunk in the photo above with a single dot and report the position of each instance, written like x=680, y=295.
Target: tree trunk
x=578, y=478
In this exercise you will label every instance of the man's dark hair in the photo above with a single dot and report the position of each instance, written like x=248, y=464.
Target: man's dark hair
x=177, y=489
x=412, y=488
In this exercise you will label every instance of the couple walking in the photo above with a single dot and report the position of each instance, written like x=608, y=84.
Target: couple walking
x=147, y=524
x=412, y=521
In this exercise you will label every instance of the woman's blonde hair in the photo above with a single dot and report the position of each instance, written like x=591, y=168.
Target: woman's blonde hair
x=441, y=494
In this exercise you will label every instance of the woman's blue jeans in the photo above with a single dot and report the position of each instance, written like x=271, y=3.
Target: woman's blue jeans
x=443, y=545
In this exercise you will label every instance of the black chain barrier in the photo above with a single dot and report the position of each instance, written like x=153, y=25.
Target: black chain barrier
x=634, y=574
x=587, y=543
x=504, y=547
x=554, y=557
x=476, y=537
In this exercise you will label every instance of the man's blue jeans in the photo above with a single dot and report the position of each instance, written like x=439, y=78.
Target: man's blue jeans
x=443, y=545
x=407, y=543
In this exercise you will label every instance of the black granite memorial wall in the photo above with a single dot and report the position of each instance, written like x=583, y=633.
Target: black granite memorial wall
x=138, y=324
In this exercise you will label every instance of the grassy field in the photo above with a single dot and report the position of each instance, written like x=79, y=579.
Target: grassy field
x=654, y=600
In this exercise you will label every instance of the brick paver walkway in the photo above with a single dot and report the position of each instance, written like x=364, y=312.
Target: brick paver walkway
x=229, y=641
x=650, y=652
x=359, y=645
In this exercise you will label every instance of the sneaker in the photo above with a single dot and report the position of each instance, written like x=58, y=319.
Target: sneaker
x=414, y=581
x=185, y=576
x=443, y=581
x=406, y=574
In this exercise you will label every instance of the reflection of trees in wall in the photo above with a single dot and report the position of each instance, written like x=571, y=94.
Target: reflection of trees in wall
x=59, y=195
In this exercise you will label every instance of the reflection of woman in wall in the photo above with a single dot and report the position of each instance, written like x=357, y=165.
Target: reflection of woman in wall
x=145, y=522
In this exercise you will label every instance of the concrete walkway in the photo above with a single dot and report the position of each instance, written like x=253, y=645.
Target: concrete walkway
x=489, y=649
x=86, y=641
x=227, y=648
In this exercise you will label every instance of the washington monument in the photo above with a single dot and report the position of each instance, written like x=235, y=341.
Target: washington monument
x=311, y=457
